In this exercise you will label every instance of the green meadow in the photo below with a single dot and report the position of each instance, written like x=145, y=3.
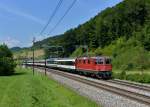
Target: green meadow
x=25, y=90
x=134, y=75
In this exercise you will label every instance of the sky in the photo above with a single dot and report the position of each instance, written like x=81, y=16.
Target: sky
x=21, y=20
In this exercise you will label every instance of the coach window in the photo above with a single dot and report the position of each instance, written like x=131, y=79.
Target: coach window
x=70, y=63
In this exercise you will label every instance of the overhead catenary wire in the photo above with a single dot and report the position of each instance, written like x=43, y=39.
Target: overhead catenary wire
x=69, y=8
x=52, y=16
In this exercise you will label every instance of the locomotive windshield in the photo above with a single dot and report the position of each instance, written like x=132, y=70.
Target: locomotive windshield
x=99, y=61
x=103, y=61
x=108, y=61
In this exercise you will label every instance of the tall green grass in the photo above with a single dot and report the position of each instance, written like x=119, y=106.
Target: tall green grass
x=25, y=90
x=136, y=76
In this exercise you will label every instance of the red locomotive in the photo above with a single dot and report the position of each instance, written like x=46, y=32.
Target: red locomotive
x=100, y=67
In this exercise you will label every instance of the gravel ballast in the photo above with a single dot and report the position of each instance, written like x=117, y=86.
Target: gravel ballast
x=102, y=97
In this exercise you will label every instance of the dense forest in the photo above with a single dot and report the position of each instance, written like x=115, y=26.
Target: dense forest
x=122, y=32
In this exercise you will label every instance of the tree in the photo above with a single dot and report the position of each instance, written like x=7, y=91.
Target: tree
x=113, y=23
x=142, y=60
x=7, y=64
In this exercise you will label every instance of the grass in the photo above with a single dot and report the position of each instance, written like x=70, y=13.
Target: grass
x=131, y=71
x=25, y=90
x=136, y=76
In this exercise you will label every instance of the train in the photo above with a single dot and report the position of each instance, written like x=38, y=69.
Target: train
x=99, y=67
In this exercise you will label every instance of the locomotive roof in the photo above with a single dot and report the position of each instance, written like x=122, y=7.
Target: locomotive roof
x=36, y=61
x=97, y=57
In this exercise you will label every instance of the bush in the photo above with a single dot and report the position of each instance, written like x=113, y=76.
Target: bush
x=132, y=54
x=137, y=77
x=144, y=78
x=7, y=63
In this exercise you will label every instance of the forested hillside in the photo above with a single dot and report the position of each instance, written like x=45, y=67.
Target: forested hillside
x=122, y=32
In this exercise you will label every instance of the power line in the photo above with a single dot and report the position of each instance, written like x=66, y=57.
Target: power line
x=51, y=17
x=69, y=8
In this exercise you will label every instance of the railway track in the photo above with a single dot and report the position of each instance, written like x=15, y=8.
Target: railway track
x=122, y=92
x=132, y=85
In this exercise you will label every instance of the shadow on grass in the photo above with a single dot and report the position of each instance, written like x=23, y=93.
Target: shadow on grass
x=14, y=74
x=18, y=73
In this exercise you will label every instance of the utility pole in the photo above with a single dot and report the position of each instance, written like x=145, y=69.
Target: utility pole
x=45, y=66
x=33, y=53
x=49, y=47
x=26, y=58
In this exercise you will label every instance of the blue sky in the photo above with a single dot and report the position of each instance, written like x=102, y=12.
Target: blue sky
x=21, y=20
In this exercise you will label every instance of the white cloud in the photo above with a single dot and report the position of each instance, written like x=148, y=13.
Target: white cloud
x=22, y=14
x=10, y=42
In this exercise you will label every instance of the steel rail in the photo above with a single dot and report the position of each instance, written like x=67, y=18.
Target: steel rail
x=132, y=85
x=122, y=92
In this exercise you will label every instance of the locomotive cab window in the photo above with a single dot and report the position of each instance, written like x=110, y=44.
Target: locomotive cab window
x=99, y=61
x=108, y=61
